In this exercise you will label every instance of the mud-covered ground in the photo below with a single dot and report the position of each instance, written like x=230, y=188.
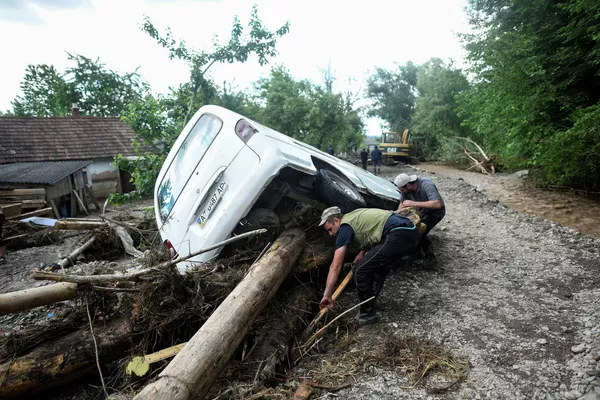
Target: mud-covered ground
x=517, y=295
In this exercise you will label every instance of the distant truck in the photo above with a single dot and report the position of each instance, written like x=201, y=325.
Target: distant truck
x=395, y=147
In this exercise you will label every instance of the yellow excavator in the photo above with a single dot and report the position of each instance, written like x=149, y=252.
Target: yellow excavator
x=395, y=147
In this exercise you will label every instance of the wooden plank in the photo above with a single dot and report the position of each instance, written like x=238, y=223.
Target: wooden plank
x=23, y=192
x=55, y=209
x=37, y=213
x=80, y=202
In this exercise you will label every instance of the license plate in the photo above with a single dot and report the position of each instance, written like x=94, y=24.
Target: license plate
x=212, y=202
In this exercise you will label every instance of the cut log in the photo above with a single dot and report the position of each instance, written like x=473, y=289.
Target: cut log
x=75, y=253
x=63, y=360
x=66, y=224
x=314, y=256
x=276, y=332
x=35, y=297
x=193, y=371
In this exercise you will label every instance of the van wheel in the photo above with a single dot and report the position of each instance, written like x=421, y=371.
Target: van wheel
x=333, y=190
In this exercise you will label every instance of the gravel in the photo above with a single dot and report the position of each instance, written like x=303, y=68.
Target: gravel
x=517, y=295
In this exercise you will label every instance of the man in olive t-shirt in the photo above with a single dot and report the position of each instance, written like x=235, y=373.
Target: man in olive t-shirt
x=379, y=236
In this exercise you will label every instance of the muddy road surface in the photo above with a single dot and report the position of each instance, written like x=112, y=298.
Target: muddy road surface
x=516, y=295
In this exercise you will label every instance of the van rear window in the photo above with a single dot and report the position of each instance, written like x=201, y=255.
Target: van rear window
x=185, y=162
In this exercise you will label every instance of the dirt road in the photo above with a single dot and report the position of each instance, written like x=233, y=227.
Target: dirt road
x=518, y=296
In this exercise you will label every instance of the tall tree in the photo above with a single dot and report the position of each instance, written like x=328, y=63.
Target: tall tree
x=46, y=92
x=259, y=41
x=537, y=83
x=97, y=90
x=393, y=93
x=435, y=111
x=308, y=112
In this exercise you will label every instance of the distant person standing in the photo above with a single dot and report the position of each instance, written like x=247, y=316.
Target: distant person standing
x=376, y=158
x=330, y=150
x=364, y=157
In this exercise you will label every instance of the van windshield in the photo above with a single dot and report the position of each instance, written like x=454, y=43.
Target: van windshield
x=185, y=161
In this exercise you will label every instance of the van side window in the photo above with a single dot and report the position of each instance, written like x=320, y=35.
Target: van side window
x=186, y=160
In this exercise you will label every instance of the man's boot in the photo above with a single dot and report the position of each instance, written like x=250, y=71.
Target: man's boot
x=379, y=279
x=367, y=314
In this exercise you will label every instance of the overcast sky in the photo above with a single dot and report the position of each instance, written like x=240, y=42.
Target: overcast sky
x=354, y=37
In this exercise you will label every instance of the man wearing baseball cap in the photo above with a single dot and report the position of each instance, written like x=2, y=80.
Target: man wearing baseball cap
x=379, y=236
x=422, y=194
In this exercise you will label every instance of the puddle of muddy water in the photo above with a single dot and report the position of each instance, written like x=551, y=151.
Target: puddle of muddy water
x=565, y=208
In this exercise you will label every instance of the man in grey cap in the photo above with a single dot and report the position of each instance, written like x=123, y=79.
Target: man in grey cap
x=379, y=236
x=422, y=194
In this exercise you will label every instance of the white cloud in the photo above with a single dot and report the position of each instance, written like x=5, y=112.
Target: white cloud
x=354, y=37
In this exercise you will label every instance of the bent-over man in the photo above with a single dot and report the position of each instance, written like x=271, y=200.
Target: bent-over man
x=422, y=194
x=380, y=236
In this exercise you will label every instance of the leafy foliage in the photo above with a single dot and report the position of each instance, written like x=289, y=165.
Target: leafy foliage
x=537, y=89
x=310, y=113
x=435, y=115
x=97, y=90
x=394, y=94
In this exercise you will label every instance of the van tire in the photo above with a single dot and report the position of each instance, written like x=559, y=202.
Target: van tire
x=334, y=190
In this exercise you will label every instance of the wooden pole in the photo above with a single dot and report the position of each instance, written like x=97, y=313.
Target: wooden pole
x=35, y=297
x=71, y=257
x=193, y=371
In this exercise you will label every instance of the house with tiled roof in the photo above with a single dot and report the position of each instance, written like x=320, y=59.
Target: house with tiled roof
x=97, y=140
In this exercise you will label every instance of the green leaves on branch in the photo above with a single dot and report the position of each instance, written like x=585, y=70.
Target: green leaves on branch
x=97, y=91
x=308, y=112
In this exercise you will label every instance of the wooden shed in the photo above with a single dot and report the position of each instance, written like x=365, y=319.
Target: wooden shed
x=58, y=184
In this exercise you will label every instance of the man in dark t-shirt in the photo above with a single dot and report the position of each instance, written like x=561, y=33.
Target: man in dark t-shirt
x=422, y=194
x=376, y=156
x=379, y=236
x=364, y=157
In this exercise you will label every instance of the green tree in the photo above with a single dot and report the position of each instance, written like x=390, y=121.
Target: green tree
x=97, y=90
x=537, y=85
x=45, y=93
x=393, y=94
x=259, y=41
x=435, y=115
x=310, y=113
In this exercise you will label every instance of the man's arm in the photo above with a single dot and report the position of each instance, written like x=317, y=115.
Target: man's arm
x=332, y=276
x=430, y=204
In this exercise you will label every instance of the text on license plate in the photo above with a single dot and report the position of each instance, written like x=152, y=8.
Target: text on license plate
x=212, y=202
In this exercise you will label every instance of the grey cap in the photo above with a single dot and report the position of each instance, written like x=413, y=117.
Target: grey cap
x=403, y=179
x=328, y=212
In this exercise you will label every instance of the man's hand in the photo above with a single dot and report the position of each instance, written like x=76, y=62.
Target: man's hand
x=326, y=301
x=407, y=203
x=359, y=256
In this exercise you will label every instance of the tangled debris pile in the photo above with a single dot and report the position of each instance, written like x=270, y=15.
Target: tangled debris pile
x=116, y=310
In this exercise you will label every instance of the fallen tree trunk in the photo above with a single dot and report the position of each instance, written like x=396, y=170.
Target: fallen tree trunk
x=79, y=225
x=193, y=371
x=70, y=259
x=35, y=297
x=63, y=360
